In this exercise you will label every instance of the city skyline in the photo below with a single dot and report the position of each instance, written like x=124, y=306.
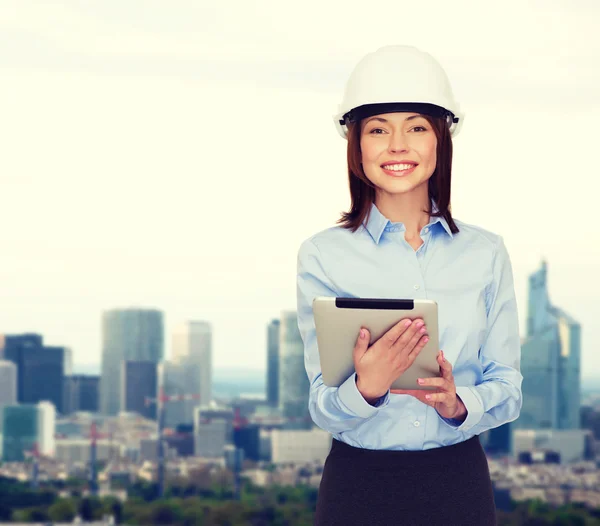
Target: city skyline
x=129, y=176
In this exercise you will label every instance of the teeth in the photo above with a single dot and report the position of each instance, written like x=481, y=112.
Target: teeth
x=399, y=167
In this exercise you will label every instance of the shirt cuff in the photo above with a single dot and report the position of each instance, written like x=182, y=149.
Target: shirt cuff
x=474, y=409
x=350, y=396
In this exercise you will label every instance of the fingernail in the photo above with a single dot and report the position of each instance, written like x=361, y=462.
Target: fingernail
x=362, y=334
x=420, y=380
x=426, y=339
x=428, y=397
x=443, y=357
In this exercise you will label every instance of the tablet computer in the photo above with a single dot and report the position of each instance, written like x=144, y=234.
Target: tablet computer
x=339, y=320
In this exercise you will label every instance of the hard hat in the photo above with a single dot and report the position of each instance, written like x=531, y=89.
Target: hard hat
x=398, y=78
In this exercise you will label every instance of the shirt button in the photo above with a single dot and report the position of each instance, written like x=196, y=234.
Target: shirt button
x=416, y=423
x=416, y=287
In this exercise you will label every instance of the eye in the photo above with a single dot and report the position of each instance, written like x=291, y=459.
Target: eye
x=422, y=127
x=375, y=130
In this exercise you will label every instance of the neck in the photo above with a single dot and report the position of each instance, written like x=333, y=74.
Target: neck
x=406, y=209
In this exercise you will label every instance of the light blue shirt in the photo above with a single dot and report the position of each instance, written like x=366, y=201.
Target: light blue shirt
x=469, y=275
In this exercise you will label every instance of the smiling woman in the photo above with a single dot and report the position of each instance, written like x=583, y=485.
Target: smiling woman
x=409, y=456
x=433, y=156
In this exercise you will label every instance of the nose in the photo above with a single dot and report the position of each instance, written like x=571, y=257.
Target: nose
x=398, y=142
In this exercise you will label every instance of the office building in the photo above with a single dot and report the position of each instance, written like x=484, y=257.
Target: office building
x=8, y=383
x=182, y=378
x=273, y=363
x=293, y=380
x=300, y=446
x=550, y=362
x=82, y=393
x=565, y=445
x=139, y=382
x=247, y=438
x=25, y=428
x=40, y=369
x=192, y=347
x=127, y=335
x=213, y=428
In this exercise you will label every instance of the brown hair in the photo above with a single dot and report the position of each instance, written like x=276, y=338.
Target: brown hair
x=362, y=191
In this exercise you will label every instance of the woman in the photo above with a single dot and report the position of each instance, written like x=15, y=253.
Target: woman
x=409, y=456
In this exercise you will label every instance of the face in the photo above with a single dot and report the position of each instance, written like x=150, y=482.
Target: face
x=389, y=142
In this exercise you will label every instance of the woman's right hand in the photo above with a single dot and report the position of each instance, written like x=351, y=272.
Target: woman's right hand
x=378, y=366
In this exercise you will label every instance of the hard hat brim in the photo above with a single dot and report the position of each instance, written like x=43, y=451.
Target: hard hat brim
x=454, y=120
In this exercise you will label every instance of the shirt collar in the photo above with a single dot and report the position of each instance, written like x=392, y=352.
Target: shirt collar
x=377, y=223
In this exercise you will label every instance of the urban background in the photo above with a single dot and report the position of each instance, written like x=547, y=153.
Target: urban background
x=151, y=426
x=161, y=165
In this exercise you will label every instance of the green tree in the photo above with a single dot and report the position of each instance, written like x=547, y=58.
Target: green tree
x=30, y=515
x=165, y=513
x=63, y=510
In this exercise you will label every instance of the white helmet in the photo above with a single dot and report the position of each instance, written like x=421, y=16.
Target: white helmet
x=398, y=78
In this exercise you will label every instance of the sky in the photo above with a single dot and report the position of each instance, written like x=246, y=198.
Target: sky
x=174, y=155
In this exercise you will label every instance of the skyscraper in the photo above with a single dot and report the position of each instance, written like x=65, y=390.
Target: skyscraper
x=550, y=362
x=25, y=427
x=82, y=393
x=40, y=369
x=273, y=363
x=293, y=381
x=138, y=382
x=179, y=379
x=192, y=346
x=128, y=334
x=8, y=383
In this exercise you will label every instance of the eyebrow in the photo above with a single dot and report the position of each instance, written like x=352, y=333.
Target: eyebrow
x=381, y=119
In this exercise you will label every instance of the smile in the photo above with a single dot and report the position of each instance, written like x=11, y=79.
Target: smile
x=399, y=169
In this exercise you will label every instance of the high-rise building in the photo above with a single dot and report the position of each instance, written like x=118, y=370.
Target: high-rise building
x=26, y=427
x=128, y=335
x=139, y=381
x=293, y=381
x=273, y=363
x=82, y=393
x=180, y=378
x=8, y=383
x=550, y=362
x=213, y=428
x=192, y=346
x=40, y=369
x=47, y=427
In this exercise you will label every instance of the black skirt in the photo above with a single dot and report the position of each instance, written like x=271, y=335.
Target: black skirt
x=447, y=486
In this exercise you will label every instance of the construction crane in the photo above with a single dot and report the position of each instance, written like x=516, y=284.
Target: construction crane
x=34, y=454
x=93, y=474
x=160, y=402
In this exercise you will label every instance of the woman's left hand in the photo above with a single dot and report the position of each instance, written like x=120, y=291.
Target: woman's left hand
x=444, y=399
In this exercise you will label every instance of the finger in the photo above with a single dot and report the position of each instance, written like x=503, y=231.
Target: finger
x=408, y=335
x=445, y=366
x=361, y=346
x=418, y=340
x=418, y=347
x=396, y=331
x=444, y=398
x=440, y=383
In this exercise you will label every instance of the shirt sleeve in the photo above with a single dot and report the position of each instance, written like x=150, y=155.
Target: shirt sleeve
x=334, y=409
x=498, y=398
